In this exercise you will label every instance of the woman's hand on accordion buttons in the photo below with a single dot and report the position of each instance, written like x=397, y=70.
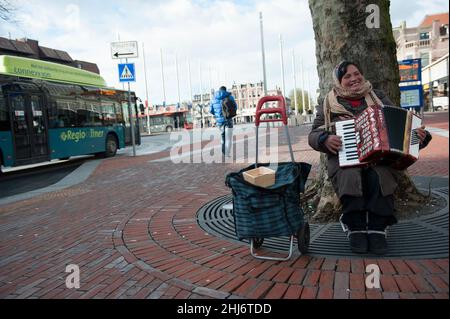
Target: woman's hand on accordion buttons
x=333, y=143
x=421, y=133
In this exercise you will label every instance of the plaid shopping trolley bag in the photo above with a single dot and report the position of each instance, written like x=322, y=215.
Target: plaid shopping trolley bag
x=272, y=211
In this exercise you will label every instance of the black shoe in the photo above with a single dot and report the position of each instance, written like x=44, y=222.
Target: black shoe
x=377, y=242
x=358, y=241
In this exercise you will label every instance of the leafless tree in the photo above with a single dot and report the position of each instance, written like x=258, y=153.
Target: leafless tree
x=7, y=11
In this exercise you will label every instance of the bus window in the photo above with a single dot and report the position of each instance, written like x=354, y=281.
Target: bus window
x=20, y=121
x=92, y=112
x=66, y=113
x=38, y=115
x=119, y=114
x=108, y=111
x=4, y=116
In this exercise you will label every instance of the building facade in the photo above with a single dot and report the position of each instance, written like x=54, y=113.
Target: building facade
x=428, y=41
x=246, y=96
x=28, y=48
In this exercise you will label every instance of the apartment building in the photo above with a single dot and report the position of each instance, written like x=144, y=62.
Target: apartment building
x=428, y=41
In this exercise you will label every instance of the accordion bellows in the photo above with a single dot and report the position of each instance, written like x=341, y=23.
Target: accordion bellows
x=380, y=135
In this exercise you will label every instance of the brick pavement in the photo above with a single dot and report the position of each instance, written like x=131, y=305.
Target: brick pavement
x=131, y=228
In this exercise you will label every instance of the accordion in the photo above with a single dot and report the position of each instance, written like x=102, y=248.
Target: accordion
x=383, y=135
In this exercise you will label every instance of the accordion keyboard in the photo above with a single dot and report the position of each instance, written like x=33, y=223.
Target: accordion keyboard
x=348, y=155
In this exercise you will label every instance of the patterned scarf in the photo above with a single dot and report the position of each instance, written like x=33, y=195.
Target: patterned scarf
x=331, y=104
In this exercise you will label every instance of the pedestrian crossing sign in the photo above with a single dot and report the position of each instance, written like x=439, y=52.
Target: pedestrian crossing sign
x=127, y=72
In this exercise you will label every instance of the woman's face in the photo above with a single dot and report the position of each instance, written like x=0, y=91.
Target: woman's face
x=353, y=80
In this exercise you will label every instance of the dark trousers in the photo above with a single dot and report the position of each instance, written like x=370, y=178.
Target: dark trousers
x=373, y=210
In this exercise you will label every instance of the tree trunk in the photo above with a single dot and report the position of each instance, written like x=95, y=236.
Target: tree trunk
x=341, y=29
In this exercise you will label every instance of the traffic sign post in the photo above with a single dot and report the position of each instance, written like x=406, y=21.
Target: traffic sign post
x=120, y=50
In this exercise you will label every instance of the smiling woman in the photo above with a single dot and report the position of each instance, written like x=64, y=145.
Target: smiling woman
x=366, y=192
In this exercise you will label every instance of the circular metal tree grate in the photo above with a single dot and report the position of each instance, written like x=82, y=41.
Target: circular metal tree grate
x=422, y=237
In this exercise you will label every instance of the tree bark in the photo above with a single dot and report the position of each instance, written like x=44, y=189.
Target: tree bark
x=342, y=32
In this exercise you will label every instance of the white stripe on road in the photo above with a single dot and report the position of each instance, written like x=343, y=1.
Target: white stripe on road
x=437, y=131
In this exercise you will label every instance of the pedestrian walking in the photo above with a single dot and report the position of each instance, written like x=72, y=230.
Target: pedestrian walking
x=223, y=108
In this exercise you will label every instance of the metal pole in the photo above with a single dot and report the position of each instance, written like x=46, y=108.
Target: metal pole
x=190, y=93
x=130, y=114
x=201, y=91
x=121, y=60
x=295, y=84
x=146, y=91
x=162, y=76
x=263, y=54
x=178, y=80
x=309, y=92
x=190, y=81
x=211, y=90
x=282, y=66
x=303, y=91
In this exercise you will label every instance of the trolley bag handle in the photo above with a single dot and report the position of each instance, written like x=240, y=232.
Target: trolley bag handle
x=281, y=109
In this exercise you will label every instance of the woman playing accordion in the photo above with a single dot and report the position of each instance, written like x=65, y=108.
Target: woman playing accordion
x=365, y=192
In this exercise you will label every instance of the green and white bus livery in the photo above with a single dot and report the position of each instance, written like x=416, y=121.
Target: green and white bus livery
x=50, y=111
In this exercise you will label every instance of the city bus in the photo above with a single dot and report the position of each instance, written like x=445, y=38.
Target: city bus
x=51, y=111
x=167, y=121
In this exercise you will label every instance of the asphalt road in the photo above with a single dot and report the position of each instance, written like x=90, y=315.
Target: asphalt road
x=22, y=181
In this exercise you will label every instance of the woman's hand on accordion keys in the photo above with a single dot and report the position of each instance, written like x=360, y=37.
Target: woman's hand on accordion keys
x=421, y=133
x=333, y=143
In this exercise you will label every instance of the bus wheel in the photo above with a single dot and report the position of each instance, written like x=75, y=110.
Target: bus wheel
x=111, y=146
x=169, y=129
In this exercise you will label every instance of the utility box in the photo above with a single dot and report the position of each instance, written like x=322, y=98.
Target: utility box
x=261, y=176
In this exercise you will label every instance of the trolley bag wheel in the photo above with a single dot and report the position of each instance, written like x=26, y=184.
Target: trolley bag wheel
x=257, y=242
x=303, y=238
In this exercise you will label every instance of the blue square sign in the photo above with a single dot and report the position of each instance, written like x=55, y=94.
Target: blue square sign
x=127, y=72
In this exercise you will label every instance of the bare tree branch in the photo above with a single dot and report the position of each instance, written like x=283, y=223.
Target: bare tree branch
x=7, y=11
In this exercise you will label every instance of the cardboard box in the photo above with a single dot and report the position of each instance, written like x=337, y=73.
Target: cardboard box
x=261, y=176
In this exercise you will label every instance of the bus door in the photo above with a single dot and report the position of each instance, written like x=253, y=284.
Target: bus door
x=29, y=128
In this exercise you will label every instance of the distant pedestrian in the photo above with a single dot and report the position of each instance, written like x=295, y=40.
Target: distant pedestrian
x=224, y=107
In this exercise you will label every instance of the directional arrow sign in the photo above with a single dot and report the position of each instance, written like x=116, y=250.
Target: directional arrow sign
x=121, y=50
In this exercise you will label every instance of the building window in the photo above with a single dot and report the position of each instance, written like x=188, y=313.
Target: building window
x=425, y=56
x=424, y=35
x=443, y=31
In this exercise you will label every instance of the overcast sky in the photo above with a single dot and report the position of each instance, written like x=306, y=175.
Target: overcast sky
x=220, y=38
